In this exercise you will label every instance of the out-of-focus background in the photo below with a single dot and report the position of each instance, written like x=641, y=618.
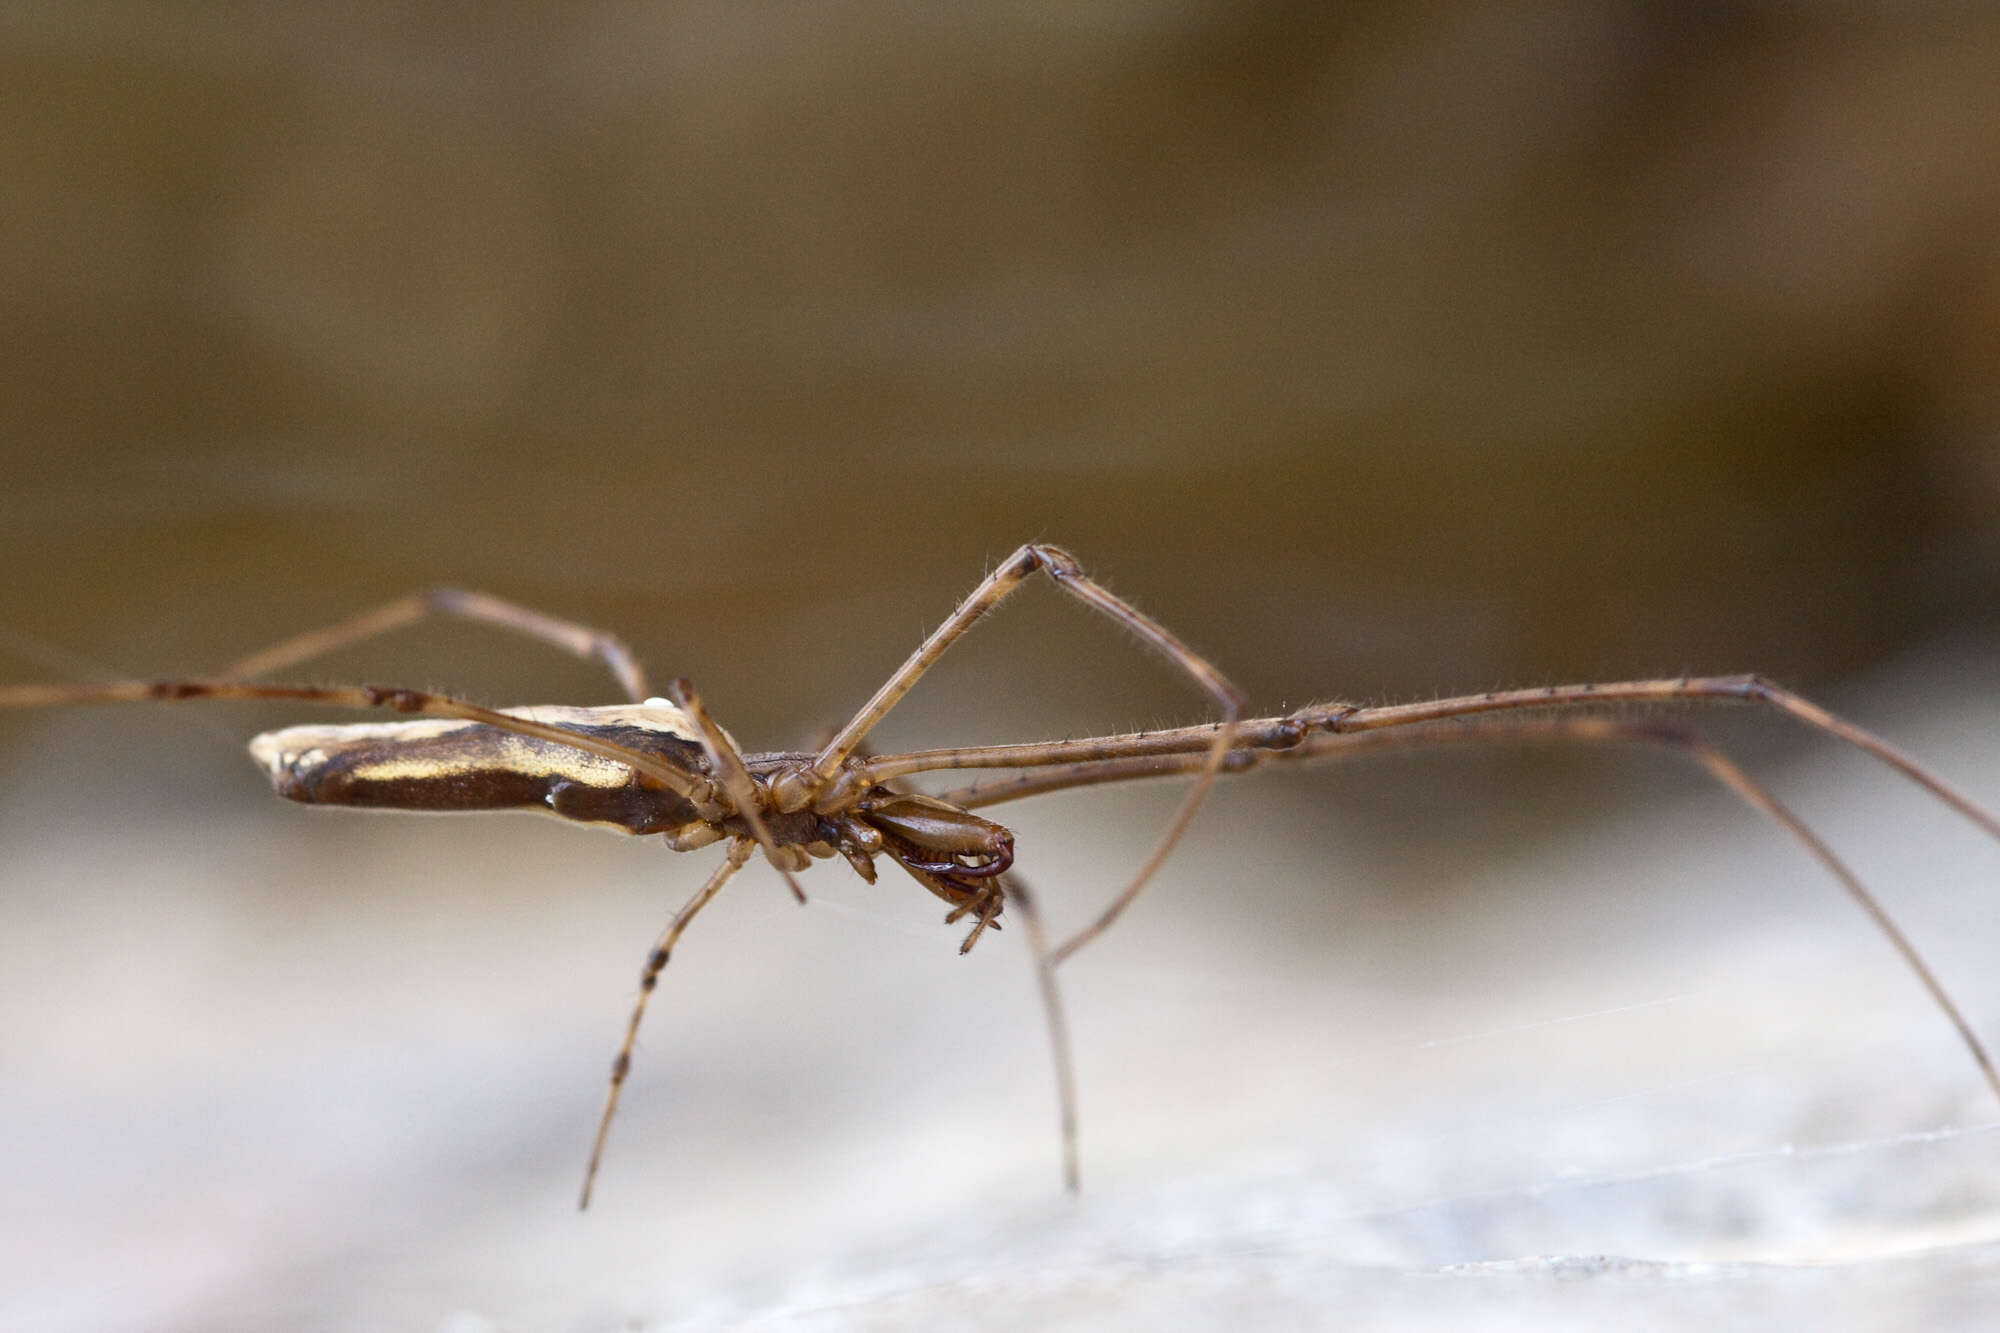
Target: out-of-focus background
x=1381, y=350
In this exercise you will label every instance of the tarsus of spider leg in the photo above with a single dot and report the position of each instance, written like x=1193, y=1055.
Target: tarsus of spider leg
x=1718, y=766
x=649, y=979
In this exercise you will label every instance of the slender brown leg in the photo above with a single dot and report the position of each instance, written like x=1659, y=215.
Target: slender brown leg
x=1061, y=567
x=1309, y=725
x=698, y=790
x=736, y=780
x=649, y=978
x=1753, y=689
x=1426, y=733
x=578, y=640
x=1759, y=798
x=1058, y=1025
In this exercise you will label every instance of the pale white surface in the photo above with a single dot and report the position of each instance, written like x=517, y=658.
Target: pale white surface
x=299, y=1069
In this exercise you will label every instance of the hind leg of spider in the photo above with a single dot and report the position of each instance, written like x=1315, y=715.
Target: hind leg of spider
x=800, y=789
x=649, y=979
x=577, y=640
x=727, y=762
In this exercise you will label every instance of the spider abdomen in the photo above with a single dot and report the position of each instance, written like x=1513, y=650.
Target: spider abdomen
x=451, y=766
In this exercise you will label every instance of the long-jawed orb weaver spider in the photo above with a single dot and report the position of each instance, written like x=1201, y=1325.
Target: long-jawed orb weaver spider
x=662, y=766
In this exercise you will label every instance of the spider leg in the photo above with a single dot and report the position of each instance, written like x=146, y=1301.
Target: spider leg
x=1058, y=1025
x=736, y=780
x=799, y=789
x=570, y=637
x=649, y=978
x=1747, y=688
x=987, y=899
x=1424, y=731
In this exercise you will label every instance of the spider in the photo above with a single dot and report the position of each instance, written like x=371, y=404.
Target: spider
x=661, y=766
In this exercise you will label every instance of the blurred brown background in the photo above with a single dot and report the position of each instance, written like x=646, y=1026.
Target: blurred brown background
x=1381, y=350
x=1387, y=349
